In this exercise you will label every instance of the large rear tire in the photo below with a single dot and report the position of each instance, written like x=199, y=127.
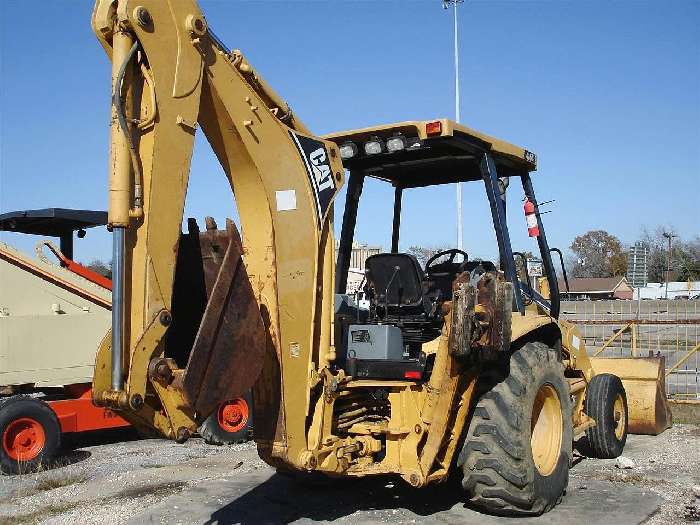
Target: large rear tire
x=30, y=434
x=606, y=403
x=516, y=455
x=231, y=422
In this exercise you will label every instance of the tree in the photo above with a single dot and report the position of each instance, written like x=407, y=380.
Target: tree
x=598, y=254
x=686, y=260
x=685, y=256
x=656, y=257
x=100, y=267
x=423, y=253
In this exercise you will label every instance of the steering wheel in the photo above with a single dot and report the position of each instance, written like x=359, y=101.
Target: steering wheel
x=448, y=265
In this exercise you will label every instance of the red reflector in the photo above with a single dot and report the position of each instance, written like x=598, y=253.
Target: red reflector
x=412, y=374
x=433, y=128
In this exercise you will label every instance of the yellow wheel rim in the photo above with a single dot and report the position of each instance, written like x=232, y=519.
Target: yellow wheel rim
x=547, y=427
x=619, y=417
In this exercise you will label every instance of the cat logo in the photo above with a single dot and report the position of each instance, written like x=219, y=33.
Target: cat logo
x=313, y=153
x=321, y=169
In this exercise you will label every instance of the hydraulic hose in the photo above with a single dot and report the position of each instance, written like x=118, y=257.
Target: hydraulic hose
x=137, y=210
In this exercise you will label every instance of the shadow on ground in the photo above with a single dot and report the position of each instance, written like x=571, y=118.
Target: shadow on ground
x=71, y=444
x=281, y=499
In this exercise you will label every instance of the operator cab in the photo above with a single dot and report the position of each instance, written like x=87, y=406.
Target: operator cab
x=396, y=337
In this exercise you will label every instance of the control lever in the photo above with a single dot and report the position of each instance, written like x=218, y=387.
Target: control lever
x=386, y=290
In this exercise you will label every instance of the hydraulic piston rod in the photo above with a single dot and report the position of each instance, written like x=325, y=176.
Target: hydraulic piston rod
x=119, y=204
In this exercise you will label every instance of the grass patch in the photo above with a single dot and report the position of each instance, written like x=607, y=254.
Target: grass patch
x=158, y=489
x=154, y=465
x=633, y=478
x=42, y=514
x=54, y=482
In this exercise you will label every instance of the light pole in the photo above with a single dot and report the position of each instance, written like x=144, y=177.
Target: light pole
x=446, y=4
x=670, y=237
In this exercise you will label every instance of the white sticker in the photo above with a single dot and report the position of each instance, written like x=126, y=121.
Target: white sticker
x=294, y=349
x=286, y=200
x=575, y=342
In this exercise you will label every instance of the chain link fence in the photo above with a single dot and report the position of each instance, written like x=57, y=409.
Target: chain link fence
x=668, y=328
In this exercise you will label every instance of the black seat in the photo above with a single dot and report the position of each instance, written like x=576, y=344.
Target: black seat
x=395, y=283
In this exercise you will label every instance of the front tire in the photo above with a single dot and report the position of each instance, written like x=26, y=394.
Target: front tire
x=518, y=449
x=30, y=434
x=606, y=403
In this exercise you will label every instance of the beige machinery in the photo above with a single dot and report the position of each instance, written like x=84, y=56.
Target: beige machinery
x=51, y=318
x=42, y=307
x=457, y=366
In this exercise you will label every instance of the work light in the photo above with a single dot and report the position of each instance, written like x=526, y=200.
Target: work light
x=348, y=150
x=396, y=143
x=373, y=146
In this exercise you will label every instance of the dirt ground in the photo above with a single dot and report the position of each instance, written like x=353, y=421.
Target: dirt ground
x=116, y=479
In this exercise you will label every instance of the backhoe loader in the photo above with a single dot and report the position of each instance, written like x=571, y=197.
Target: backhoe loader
x=456, y=368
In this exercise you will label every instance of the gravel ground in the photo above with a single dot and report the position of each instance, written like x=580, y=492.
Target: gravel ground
x=107, y=483
x=668, y=465
x=112, y=480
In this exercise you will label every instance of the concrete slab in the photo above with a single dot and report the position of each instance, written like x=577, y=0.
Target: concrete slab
x=264, y=497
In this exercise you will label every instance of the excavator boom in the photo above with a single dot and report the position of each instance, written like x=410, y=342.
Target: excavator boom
x=272, y=299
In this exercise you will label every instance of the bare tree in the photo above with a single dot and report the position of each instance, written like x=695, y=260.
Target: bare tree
x=423, y=253
x=100, y=267
x=685, y=255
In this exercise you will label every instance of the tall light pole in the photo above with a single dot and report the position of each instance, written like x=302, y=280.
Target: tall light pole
x=446, y=4
x=669, y=236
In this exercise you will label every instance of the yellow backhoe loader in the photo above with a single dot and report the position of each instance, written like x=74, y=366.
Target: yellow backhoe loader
x=458, y=367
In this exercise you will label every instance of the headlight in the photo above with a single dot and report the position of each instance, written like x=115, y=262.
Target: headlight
x=396, y=143
x=373, y=146
x=348, y=150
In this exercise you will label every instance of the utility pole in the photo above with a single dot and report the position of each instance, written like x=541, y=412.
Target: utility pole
x=669, y=236
x=446, y=4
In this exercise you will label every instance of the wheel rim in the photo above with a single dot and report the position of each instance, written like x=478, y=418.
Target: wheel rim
x=233, y=415
x=23, y=439
x=546, y=429
x=619, y=416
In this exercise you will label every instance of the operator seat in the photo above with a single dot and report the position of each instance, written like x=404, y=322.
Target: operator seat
x=395, y=284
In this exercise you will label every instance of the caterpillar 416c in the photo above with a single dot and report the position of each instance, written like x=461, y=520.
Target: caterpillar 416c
x=457, y=366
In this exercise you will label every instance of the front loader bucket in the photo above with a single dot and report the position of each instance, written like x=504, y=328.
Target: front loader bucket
x=645, y=386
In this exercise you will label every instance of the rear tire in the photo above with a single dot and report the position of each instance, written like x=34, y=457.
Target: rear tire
x=512, y=463
x=606, y=403
x=230, y=423
x=30, y=434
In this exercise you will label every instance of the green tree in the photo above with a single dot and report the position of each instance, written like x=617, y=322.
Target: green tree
x=598, y=254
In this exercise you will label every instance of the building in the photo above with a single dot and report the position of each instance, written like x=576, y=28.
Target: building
x=676, y=290
x=596, y=288
x=358, y=256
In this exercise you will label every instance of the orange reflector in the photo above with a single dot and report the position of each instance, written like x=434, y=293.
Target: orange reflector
x=412, y=374
x=433, y=128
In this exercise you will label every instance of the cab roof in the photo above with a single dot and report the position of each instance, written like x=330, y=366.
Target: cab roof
x=437, y=152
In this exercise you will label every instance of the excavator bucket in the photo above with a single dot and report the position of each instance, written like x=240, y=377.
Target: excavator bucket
x=645, y=386
x=217, y=334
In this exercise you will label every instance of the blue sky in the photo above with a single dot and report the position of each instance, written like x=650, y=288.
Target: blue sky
x=606, y=93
